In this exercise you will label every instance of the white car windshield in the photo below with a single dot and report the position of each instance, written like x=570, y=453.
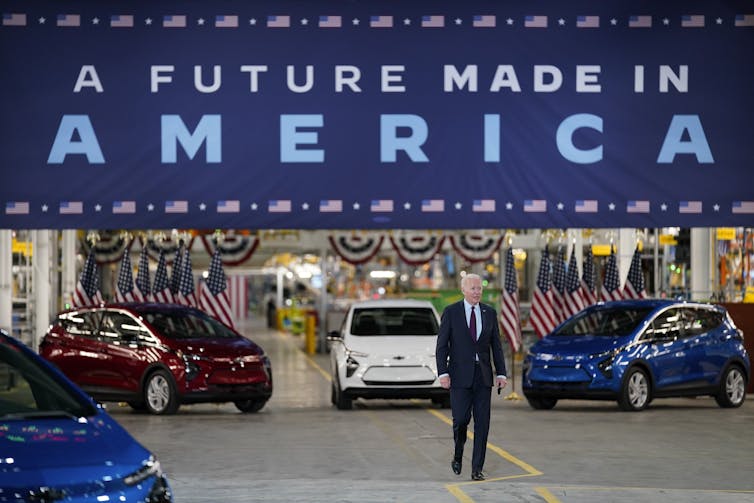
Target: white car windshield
x=394, y=321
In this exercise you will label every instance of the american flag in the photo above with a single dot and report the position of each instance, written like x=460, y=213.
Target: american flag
x=542, y=316
x=213, y=297
x=20, y=20
x=433, y=205
x=233, y=206
x=278, y=21
x=124, y=288
x=587, y=279
x=485, y=21
x=573, y=297
x=637, y=207
x=744, y=20
x=640, y=22
x=331, y=206
x=125, y=21
x=587, y=21
x=559, y=285
x=535, y=205
x=381, y=21
x=692, y=21
x=611, y=285
x=634, y=287
x=586, y=206
x=742, y=207
x=143, y=290
x=483, y=206
x=186, y=290
x=535, y=21
x=381, y=205
x=509, y=317
x=17, y=208
x=174, y=21
x=175, y=277
x=69, y=20
x=279, y=206
x=226, y=21
x=433, y=21
x=87, y=291
x=330, y=21
x=162, y=291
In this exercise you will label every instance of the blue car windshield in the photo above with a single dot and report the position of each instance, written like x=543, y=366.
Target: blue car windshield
x=610, y=322
x=28, y=390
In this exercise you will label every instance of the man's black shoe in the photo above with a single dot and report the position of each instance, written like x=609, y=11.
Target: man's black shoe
x=477, y=475
x=456, y=466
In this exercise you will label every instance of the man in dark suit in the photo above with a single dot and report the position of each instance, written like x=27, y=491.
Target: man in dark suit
x=468, y=335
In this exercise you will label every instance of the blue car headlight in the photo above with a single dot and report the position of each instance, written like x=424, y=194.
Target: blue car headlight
x=150, y=467
x=605, y=361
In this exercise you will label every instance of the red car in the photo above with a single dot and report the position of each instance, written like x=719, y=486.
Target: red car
x=157, y=357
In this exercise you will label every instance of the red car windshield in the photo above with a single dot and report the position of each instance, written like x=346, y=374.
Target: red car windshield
x=186, y=324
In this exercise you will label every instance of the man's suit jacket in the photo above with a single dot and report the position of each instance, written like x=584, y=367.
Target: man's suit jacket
x=456, y=350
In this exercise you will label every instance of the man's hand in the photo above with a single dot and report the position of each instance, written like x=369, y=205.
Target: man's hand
x=445, y=382
x=501, y=382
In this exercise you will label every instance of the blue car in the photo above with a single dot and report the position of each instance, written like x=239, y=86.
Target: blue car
x=57, y=444
x=635, y=351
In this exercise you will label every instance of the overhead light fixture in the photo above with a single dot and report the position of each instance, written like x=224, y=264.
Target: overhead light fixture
x=382, y=274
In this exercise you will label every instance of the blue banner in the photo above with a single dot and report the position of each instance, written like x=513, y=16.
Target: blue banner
x=378, y=114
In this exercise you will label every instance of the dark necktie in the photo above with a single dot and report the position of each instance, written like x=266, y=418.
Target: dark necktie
x=472, y=325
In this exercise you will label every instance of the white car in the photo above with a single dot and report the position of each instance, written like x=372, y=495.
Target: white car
x=386, y=349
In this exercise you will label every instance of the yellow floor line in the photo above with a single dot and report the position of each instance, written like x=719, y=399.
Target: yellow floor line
x=455, y=489
x=547, y=495
x=497, y=450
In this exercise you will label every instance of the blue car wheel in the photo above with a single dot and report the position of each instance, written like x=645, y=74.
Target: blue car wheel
x=732, y=388
x=635, y=392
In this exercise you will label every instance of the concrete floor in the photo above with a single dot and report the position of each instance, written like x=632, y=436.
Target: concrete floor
x=299, y=448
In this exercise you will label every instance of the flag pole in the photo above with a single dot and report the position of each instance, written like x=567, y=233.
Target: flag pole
x=513, y=395
x=516, y=328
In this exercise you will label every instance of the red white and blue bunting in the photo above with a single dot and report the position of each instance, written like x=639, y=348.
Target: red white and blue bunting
x=235, y=249
x=416, y=248
x=167, y=244
x=109, y=246
x=476, y=247
x=356, y=248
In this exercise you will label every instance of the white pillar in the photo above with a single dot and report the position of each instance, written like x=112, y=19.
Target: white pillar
x=6, y=280
x=702, y=266
x=41, y=282
x=279, y=291
x=68, y=285
x=625, y=252
x=322, y=342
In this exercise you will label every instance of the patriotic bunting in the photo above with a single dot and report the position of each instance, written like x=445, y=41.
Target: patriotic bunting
x=475, y=247
x=416, y=248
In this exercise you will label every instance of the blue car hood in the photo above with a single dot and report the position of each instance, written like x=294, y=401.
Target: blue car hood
x=574, y=345
x=64, y=452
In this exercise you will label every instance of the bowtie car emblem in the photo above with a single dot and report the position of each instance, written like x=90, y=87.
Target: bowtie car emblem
x=399, y=358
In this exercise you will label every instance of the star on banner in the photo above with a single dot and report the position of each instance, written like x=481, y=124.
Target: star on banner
x=509, y=205
x=458, y=206
x=254, y=206
x=407, y=206
x=356, y=206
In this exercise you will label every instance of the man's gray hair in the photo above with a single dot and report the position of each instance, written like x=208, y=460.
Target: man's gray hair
x=466, y=278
